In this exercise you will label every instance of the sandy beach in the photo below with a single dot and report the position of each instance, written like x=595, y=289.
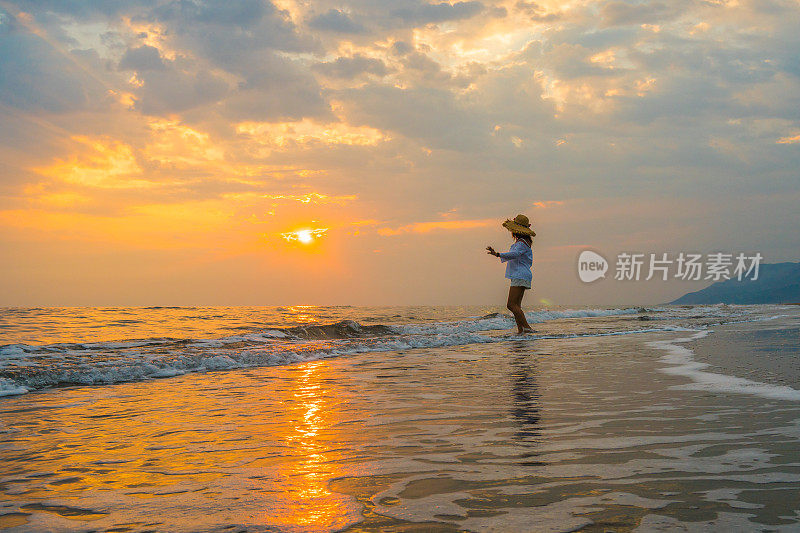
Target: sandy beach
x=584, y=434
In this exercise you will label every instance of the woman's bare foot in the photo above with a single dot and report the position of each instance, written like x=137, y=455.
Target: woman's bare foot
x=525, y=331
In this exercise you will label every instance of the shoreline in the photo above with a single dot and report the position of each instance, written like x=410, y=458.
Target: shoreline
x=767, y=352
x=682, y=362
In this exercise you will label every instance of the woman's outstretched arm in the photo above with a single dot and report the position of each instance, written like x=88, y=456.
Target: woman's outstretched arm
x=515, y=251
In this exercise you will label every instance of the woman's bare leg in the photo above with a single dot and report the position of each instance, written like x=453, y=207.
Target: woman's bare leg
x=514, y=305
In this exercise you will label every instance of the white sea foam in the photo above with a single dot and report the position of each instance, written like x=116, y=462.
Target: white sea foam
x=10, y=388
x=683, y=363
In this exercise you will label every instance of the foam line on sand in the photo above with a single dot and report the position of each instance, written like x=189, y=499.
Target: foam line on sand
x=682, y=363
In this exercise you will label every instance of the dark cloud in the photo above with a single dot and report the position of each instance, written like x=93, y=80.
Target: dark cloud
x=277, y=89
x=597, y=39
x=420, y=61
x=678, y=98
x=621, y=13
x=514, y=98
x=569, y=61
x=401, y=48
x=229, y=34
x=172, y=90
x=351, y=67
x=431, y=116
x=86, y=9
x=535, y=12
x=336, y=21
x=420, y=67
x=256, y=105
x=239, y=13
x=141, y=59
x=424, y=13
x=34, y=76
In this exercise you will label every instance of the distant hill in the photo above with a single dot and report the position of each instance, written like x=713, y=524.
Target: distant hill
x=777, y=283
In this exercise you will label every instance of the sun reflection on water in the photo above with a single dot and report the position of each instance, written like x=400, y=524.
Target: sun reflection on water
x=312, y=413
x=302, y=314
x=265, y=462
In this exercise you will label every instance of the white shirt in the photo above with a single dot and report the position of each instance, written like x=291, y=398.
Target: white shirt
x=520, y=261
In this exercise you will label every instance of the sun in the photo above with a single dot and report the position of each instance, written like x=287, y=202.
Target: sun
x=305, y=236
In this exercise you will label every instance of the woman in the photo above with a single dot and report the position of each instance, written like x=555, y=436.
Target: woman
x=518, y=269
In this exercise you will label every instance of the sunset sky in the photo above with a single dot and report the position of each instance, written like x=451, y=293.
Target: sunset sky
x=365, y=152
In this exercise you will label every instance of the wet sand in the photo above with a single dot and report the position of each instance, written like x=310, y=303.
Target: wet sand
x=763, y=351
x=584, y=434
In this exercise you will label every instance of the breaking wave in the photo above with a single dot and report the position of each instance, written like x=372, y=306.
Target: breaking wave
x=26, y=367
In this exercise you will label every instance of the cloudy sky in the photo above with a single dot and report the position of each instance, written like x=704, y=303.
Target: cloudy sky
x=168, y=152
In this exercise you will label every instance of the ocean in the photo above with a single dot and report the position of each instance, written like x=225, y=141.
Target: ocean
x=311, y=418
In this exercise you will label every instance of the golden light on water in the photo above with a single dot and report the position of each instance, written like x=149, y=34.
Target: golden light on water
x=312, y=415
x=269, y=461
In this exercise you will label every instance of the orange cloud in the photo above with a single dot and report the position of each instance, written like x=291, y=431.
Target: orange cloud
x=280, y=136
x=179, y=146
x=547, y=203
x=789, y=140
x=103, y=163
x=312, y=197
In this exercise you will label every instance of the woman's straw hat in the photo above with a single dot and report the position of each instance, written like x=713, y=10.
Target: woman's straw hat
x=520, y=224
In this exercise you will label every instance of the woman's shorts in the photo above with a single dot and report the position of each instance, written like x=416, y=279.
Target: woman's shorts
x=521, y=283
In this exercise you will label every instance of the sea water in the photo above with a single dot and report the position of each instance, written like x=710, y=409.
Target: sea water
x=47, y=347
x=415, y=419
